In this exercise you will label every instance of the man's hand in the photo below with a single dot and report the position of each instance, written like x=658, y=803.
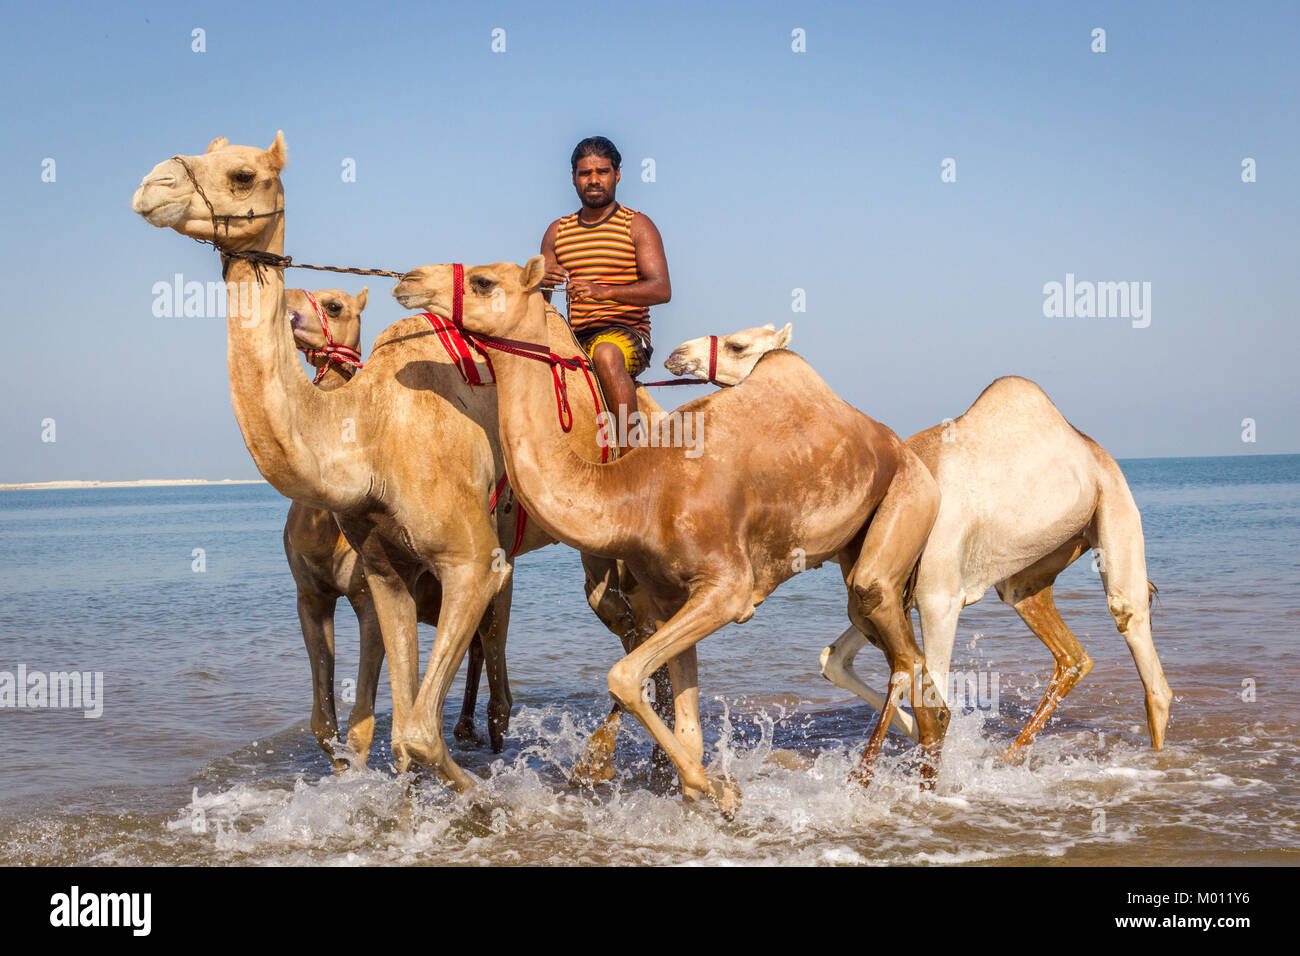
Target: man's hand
x=586, y=289
x=555, y=276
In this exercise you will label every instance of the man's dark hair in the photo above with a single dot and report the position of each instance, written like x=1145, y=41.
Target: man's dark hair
x=595, y=146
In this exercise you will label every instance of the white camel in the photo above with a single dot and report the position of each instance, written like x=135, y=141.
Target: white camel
x=1024, y=494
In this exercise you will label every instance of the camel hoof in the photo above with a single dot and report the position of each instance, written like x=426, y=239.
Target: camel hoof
x=592, y=771
x=1013, y=753
x=409, y=754
x=464, y=730
x=498, y=741
x=725, y=795
x=401, y=762
x=863, y=773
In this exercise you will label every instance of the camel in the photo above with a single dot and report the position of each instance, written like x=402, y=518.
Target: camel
x=710, y=535
x=326, y=327
x=1024, y=495
x=726, y=359
x=323, y=564
x=405, y=455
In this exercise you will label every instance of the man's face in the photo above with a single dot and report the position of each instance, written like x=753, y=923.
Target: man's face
x=595, y=179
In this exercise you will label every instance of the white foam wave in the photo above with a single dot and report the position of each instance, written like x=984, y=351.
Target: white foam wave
x=1069, y=791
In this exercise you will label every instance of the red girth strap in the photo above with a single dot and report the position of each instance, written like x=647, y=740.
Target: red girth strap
x=521, y=516
x=333, y=352
x=496, y=494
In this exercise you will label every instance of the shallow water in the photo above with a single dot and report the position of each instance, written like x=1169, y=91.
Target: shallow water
x=203, y=754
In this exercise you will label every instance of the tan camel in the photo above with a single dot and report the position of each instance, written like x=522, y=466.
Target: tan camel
x=326, y=327
x=323, y=564
x=711, y=535
x=1024, y=495
x=406, y=455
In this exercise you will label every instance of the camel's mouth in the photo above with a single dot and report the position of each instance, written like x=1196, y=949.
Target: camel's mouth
x=164, y=213
x=414, y=299
x=305, y=333
x=679, y=364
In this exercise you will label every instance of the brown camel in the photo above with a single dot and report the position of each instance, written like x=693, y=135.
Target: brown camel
x=787, y=475
x=406, y=455
x=1025, y=494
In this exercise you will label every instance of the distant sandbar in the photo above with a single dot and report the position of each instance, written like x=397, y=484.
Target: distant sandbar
x=140, y=483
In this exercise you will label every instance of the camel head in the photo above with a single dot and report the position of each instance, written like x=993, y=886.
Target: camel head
x=496, y=297
x=342, y=314
x=737, y=354
x=237, y=180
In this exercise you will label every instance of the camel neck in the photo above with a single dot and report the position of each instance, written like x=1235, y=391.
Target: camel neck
x=291, y=427
x=570, y=498
x=335, y=376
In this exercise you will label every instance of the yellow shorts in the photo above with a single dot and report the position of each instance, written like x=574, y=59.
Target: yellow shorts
x=636, y=351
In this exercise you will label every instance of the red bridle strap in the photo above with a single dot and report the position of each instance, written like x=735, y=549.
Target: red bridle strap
x=713, y=371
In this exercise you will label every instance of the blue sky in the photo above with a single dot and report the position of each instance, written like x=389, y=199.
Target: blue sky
x=775, y=170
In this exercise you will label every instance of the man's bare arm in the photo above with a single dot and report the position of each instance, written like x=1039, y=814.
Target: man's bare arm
x=555, y=274
x=652, y=288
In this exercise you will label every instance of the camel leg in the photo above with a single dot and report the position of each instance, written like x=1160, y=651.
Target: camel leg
x=684, y=675
x=395, y=608
x=596, y=765
x=837, y=667
x=492, y=638
x=361, y=721
x=464, y=729
x=708, y=609
x=624, y=608
x=898, y=682
x=316, y=615
x=466, y=591
x=1038, y=610
x=939, y=610
x=1117, y=528
x=891, y=548
x=1029, y=592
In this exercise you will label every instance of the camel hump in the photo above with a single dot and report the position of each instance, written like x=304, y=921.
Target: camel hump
x=787, y=368
x=1018, y=396
x=1012, y=387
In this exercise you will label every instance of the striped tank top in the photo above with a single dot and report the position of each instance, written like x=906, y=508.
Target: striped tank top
x=601, y=252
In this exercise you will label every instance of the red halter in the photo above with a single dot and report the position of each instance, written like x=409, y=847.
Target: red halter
x=332, y=352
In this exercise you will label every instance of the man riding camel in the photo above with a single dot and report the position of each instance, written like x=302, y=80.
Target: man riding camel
x=611, y=259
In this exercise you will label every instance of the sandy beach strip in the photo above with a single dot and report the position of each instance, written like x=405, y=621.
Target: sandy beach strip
x=139, y=483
